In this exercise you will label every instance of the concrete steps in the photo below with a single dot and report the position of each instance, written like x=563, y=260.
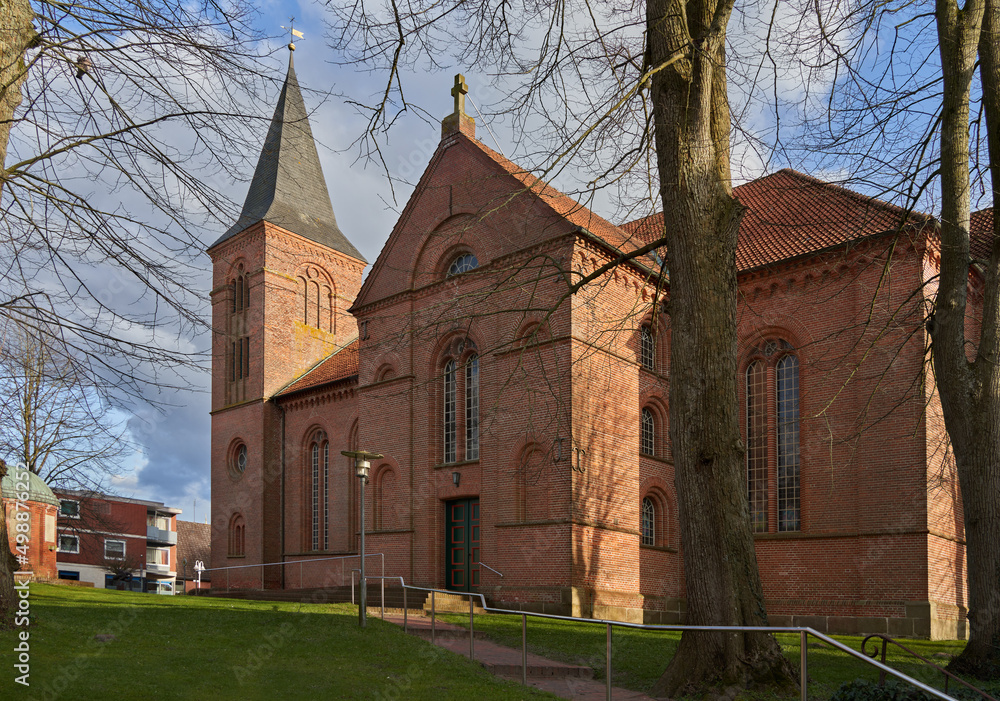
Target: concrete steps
x=451, y=603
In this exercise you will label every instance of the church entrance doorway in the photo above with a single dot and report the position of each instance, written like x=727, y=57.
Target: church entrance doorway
x=462, y=544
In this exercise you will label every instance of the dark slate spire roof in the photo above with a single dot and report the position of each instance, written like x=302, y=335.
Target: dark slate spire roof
x=288, y=188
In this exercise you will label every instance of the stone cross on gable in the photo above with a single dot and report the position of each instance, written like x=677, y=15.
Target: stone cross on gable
x=460, y=90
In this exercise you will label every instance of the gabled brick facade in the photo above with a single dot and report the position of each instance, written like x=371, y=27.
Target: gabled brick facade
x=543, y=416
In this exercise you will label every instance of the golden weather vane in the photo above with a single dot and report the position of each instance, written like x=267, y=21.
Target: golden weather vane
x=294, y=32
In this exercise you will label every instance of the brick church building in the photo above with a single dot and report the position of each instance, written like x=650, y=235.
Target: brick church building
x=525, y=429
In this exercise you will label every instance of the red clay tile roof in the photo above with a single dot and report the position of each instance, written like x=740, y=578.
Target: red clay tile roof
x=981, y=233
x=339, y=365
x=194, y=542
x=791, y=214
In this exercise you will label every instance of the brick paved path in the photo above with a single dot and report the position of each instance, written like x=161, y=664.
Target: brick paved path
x=565, y=680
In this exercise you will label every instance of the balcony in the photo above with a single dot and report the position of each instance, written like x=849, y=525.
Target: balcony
x=155, y=568
x=158, y=535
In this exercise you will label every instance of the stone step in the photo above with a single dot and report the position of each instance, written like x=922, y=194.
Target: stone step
x=451, y=603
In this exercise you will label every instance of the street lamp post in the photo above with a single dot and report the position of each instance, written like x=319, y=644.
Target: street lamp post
x=362, y=461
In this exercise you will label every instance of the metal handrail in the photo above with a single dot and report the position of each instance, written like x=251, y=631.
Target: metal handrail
x=803, y=632
x=262, y=565
x=948, y=675
x=483, y=564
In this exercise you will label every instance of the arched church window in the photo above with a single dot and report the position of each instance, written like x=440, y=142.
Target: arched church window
x=648, y=442
x=647, y=351
x=772, y=381
x=240, y=291
x=787, y=379
x=648, y=522
x=460, y=382
x=463, y=264
x=472, y=408
x=450, y=424
x=319, y=467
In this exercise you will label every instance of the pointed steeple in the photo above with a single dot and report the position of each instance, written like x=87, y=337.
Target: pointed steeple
x=288, y=188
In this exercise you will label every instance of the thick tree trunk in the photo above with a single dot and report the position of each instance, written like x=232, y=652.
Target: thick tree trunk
x=691, y=121
x=16, y=33
x=970, y=392
x=8, y=566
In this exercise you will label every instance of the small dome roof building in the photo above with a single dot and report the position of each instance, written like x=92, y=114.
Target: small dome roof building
x=28, y=500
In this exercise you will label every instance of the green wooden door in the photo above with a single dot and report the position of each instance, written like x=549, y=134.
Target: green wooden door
x=462, y=540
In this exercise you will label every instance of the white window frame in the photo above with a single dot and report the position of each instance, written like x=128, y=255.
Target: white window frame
x=69, y=501
x=114, y=557
x=76, y=540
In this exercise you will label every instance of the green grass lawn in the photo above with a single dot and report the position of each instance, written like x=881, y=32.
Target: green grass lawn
x=639, y=657
x=184, y=647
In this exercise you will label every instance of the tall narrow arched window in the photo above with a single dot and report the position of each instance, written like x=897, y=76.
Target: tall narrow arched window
x=648, y=442
x=450, y=433
x=314, y=463
x=648, y=526
x=787, y=391
x=647, y=348
x=326, y=495
x=756, y=395
x=472, y=408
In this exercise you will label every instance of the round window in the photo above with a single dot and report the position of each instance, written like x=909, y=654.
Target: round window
x=238, y=460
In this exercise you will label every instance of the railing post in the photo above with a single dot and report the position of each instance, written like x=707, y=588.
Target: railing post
x=301, y=583
x=804, y=665
x=383, y=595
x=608, y=663
x=352, y=587
x=472, y=637
x=881, y=674
x=227, y=580
x=432, y=618
x=524, y=649
x=405, y=610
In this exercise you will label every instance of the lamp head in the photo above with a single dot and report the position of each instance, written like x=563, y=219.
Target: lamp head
x=361, y=466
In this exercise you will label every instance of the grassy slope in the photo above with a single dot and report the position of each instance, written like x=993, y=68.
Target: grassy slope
x=185, y=647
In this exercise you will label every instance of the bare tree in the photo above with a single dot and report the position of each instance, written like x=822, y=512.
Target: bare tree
x=54, y=420
x=122, y=569
x=122, y=123
x=126, y=120
x=644, y=87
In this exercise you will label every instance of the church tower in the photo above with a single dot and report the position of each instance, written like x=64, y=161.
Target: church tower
x=284, y=276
